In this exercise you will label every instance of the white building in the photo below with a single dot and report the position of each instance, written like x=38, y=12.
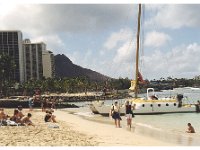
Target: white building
x=33, y=59
x=48, y=64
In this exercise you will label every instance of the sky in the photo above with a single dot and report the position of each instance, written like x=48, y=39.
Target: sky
x=102, y=37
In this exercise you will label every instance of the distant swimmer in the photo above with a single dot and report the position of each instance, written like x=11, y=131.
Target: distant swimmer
x=190, y=128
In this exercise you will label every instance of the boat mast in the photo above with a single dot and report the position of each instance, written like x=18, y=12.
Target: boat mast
x=137, y=52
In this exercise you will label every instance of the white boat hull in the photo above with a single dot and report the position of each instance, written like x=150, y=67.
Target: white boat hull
x=146, y=108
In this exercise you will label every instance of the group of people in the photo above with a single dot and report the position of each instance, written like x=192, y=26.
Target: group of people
x=115, y=113
x=47, y=102
x=18, y=118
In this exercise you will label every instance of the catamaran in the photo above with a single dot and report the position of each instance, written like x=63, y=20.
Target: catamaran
x=149, y=104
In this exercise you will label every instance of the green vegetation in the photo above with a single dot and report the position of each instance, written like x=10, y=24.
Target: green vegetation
x=7, y=68
x=78, y=84
x=72, y=85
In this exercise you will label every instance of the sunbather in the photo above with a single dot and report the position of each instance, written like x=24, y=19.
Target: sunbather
x=3, y=116
x=26, y=120
x=16, y=117
x=49, y=117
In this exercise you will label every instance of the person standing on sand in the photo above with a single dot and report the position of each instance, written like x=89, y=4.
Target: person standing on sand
x=30, y=103
x=129, y=114
x=190, y=128
x=115, y=111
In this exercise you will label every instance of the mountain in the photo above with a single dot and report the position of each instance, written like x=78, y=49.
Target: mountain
x=64, y=67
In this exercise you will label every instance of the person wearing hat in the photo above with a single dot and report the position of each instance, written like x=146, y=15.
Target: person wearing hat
x=115, y=111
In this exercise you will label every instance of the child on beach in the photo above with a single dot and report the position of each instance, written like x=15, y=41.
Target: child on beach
x=26, y=120
x=190, y=128
x=49, y=117
x=115, y=111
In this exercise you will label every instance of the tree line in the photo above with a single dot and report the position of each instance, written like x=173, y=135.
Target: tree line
x=77, y=84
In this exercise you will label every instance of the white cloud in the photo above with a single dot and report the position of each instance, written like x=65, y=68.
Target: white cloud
x=182, y=61
x=175, y=16
x=53, y=42
x=118, y=37
x=156, y=39
x=124, y=53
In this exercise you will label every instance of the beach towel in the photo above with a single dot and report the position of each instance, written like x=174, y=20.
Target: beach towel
x=53, y=126
x=11, y=123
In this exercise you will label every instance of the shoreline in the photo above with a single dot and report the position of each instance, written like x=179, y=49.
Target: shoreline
x=145, y=130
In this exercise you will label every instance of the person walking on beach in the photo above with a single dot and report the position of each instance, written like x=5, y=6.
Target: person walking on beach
x=129, y=114
x=30, y=103
x=190, y=128
x=115, y=112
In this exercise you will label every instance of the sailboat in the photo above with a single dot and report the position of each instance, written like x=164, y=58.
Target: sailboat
x=150, y=104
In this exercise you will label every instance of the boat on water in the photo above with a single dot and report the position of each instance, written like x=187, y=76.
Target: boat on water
x=150, y=104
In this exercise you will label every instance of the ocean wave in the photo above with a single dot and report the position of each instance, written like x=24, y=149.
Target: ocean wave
x=85, y=114
x=148, y=126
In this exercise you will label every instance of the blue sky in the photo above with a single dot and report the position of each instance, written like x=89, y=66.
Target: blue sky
x=102, y=37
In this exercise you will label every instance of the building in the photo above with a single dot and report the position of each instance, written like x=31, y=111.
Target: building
x=11, y=44
x=33, y=68
x=48, y=64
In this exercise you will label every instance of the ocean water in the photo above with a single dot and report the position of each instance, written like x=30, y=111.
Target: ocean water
x=165, y=127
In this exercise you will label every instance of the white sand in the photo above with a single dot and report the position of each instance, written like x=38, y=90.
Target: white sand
x=73, y=131
x=105, y=134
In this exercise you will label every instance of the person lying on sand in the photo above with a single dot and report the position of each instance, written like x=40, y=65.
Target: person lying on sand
x=190, y=128
x=49, y=117
x=26, y=120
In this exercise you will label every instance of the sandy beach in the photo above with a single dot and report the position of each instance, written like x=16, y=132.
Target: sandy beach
x=73, y=131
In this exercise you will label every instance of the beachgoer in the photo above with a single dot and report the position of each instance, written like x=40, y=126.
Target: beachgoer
x=49, y=117
x=21, y=115
x=53, y=104
x=115, y=111
x=3, y=116
x=30, y=103
x=190, y=128
x=16, y=117
x=198, y=106
x=129, y=114
x=154, y=97
x=26, y=120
